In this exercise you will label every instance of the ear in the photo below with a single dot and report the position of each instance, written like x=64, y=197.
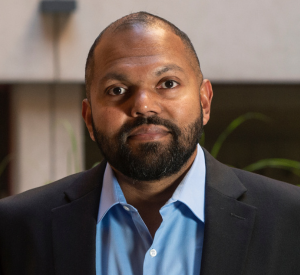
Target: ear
x=206, y=94
x=87, y=116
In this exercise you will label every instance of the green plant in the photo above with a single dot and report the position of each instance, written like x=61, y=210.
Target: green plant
x=292, y=165
x=72, y=155
x=287, y=164
x=232, y=126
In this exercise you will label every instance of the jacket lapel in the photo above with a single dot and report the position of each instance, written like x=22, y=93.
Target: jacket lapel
x=228, y=221
x=227, y=233
x=74, y=225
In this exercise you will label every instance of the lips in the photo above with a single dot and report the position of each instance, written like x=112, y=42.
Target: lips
x=148, y=132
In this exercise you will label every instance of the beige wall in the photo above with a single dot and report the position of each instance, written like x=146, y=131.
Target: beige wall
x=42, y=147
x=237, y=40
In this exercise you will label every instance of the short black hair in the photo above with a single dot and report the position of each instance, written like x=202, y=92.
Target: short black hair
x=148, y=20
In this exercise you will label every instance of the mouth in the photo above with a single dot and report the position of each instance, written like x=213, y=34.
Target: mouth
x=148, y=132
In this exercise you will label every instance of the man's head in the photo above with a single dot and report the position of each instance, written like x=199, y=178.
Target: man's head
x=146, y=20
x=147, y=101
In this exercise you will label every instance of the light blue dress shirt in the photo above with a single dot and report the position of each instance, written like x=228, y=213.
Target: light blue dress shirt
x=124, y=244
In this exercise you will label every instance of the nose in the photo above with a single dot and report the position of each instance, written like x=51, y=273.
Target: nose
x=144, y=103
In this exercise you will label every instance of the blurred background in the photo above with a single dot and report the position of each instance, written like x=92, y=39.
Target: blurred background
x=248, y=49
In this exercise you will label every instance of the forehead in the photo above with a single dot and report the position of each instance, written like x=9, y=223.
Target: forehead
x=139, y=46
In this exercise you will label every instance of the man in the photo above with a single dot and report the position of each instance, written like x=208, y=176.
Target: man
x=159, y=204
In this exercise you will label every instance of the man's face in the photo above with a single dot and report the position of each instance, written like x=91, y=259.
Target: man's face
x=145, y=111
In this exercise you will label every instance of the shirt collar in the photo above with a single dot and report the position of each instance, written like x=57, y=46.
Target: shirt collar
x=111, y=193
x=190, y=191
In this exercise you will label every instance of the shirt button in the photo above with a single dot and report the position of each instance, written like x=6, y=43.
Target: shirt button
x=153, y=253
x=126, y=208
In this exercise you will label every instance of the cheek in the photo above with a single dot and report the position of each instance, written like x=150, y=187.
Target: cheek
x=185, y=110
x=108, y=120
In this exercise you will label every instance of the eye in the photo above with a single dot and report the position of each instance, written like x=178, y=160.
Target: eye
x=117, y=91
x=169, y=84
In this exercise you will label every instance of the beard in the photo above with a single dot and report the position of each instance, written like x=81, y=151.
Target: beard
x=151, y=160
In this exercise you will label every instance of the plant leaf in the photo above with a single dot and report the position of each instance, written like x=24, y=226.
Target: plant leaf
x=74, y=158
x=202, y=139
x=95, y=164
x=287, y=164
x=232, y=126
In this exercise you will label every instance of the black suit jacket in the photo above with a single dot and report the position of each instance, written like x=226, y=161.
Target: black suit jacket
x=252, y=225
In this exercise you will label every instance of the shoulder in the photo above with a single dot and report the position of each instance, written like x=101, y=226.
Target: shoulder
x=251, y=185
x=264, y=193
x=38, y=199
x=43, y=199
x=264, y=184
x=269, y=193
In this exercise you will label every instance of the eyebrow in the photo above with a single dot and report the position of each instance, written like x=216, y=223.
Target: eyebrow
x=170, y=67
x=114, y=76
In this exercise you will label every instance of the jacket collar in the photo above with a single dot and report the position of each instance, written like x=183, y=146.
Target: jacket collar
x=88, y=181
x=228, y=221
x=74, y=225
x=221, y=178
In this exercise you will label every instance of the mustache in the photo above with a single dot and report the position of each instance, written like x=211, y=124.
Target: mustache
x=155, y=120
